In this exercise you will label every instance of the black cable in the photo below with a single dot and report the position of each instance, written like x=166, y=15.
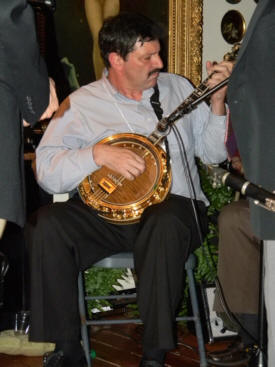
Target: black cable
x=162, y=127
x=211, y=265
x=262, y=194
x=233, y=318
x=225, y=364
x=228, y=312
x=192, y=194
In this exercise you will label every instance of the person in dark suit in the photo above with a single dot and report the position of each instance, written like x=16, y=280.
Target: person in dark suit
x=251, y=96
x=26, y=95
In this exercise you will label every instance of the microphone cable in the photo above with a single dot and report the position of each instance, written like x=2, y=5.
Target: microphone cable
x=192, y=194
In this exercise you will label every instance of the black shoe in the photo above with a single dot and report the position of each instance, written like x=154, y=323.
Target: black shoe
x=234, y=353
x=53, y=359
x=226, y=354
x=57, y=359
x=253, y=353
x=145, y=363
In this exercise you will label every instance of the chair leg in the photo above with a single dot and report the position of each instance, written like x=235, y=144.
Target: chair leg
x=196, y=314
x=84, y=327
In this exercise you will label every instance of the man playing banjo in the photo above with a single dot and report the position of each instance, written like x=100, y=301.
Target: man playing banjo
x=66, y=238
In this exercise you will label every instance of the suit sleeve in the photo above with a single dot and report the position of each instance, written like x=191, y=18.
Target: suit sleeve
x=21, y=67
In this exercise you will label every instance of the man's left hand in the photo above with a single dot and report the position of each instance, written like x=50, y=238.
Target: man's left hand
x=218, y=73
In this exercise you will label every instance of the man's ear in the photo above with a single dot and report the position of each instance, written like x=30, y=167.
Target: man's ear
x=115, y=60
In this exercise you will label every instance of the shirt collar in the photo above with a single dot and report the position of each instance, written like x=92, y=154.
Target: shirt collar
x=146, y=94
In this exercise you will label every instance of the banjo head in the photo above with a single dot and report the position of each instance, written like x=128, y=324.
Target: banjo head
x=123, y=201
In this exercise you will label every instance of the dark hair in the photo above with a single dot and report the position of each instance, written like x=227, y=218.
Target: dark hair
x=120, y=33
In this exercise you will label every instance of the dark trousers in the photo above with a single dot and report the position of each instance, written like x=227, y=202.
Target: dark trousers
x=65, y=238
x=240, y=279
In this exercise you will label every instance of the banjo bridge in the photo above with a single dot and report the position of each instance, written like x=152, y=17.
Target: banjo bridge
x=107, y=185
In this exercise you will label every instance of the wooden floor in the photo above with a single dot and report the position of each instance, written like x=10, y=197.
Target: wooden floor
x=120, y=346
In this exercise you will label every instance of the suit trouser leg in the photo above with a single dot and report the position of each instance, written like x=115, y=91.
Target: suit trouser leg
x=12, y=182
x=269, y=292
x=166, y=236
x=65, y=238
x=239, y=278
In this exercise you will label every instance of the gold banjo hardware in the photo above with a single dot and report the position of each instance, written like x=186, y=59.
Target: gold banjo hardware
x=121, y=201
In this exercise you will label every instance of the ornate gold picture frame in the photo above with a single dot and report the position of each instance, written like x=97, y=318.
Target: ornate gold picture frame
x=185, y=38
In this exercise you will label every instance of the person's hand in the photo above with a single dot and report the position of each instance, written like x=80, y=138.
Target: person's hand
x=218, y=73
x=53, y=102
x=237, y=164
x=25, y=123
x=3, y=223
x=121, y=160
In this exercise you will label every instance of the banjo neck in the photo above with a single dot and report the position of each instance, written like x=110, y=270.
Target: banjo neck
x=164, y=125
x=199, y=94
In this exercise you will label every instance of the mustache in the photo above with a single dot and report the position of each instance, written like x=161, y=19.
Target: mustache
x=153, y=72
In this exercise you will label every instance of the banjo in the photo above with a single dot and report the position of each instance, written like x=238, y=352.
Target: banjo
x=121, y=201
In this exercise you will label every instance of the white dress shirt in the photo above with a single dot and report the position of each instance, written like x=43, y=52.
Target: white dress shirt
x=97, y=110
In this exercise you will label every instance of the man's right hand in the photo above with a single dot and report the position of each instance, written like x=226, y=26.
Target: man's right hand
x=121, y=160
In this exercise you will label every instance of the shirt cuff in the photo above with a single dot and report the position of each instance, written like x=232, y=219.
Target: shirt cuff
x=88, y=163
x=217, y=119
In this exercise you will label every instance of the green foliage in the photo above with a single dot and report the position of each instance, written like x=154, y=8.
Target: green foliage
x=219, y=196
x=99, y=282
x=207, y=260
x=208, y=253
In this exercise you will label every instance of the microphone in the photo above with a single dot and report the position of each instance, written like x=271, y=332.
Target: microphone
x=260, y=195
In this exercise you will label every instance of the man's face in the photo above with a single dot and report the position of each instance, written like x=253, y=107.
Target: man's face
x=142, y=66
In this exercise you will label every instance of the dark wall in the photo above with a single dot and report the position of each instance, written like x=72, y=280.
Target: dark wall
x=155, y=9
x=158, y=10
x=73, y=36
